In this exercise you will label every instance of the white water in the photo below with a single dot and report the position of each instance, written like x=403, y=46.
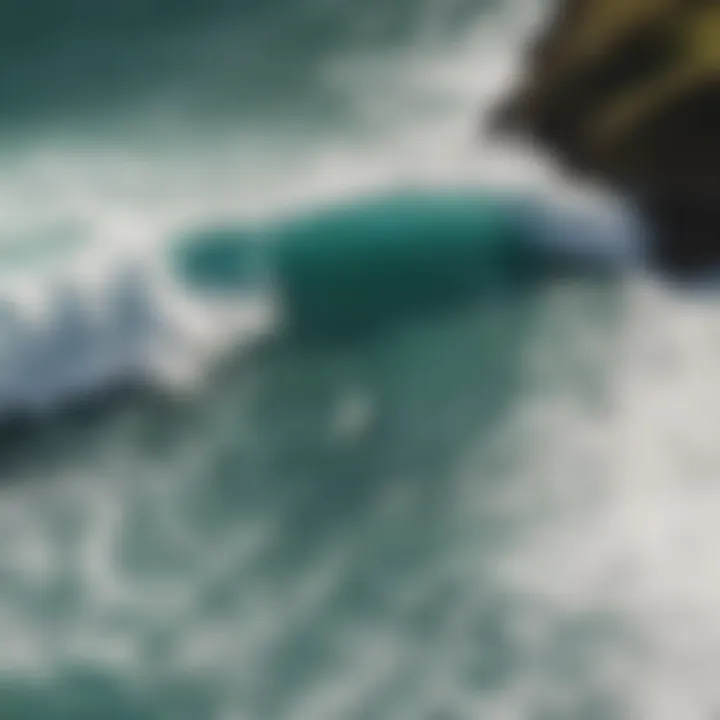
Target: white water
x=100, y=212
x=575, y=530
x=610, y=496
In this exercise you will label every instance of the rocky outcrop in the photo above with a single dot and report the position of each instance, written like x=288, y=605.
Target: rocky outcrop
x=628, y=92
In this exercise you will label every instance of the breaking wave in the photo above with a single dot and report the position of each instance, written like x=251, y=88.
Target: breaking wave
x=346, y=268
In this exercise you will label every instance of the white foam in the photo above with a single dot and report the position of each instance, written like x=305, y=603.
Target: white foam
x=417, y=108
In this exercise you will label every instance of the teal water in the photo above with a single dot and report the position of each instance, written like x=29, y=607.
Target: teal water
x=376, y=261
x=322, y=533
x=314, y=404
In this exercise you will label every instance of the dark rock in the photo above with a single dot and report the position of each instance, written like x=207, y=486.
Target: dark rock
x=627, y=92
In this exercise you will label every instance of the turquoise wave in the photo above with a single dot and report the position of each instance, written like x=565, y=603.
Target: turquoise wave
x=359, y=265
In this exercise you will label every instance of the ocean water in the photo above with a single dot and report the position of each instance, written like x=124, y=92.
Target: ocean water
x=315, y=404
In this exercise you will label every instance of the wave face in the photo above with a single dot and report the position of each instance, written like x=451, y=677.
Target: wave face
x=315, y=405
x=372, y=262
